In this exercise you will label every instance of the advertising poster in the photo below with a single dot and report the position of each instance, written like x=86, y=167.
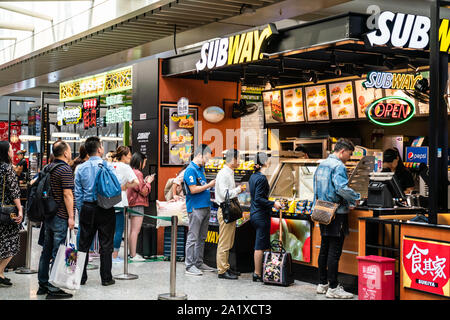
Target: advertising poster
x=342, y=104
x=272, y=106
x=293, y=105
x=317, y=103
x=364, y=97
x=426, y=265
x=296, y=236
x=179, y=135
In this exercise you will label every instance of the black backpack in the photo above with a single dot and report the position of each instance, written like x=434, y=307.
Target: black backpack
x=40, y=202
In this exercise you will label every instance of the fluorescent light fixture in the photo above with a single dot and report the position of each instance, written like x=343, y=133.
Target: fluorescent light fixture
x=111, y=138
x=65, y=135
x=26, y=137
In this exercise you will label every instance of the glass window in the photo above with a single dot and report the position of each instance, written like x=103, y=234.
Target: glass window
x=295, y=181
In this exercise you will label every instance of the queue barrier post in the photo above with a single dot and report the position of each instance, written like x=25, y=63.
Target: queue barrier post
x=173, y=266
x=125, y=275
x=27, y=269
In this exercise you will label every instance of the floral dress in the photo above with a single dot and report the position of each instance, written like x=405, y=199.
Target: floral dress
x=9, y=233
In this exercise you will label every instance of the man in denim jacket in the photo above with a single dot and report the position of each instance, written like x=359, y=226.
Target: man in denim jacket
x=331, y=184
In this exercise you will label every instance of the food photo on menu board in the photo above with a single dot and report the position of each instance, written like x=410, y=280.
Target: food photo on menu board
x=364, y=97
x=272, y=106
x=317, y=103
x=293, y=105
x=342, y=104
x=179, y=134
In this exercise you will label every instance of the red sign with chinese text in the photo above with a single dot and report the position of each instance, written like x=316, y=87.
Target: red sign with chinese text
x=426, y=265
x=90, y=113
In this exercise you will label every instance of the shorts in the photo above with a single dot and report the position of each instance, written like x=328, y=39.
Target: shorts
x=139, y=209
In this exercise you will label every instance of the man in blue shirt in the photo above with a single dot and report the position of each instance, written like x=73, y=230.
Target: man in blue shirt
x=93, y=218
x=198, y=205
x=331, y=184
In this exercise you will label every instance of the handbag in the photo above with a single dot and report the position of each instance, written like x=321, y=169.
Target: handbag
x=324, y=211
x=6, y=211
x=68, y=266
x=231, y=209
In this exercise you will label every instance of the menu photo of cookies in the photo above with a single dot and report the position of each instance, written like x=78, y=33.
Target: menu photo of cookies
x=293, y=105
x=272, y=106
x=364, y=97
x=317, y=103
x=342, y=105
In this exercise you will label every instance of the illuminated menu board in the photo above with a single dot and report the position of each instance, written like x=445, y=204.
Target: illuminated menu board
x=273, y=112
x=293, y=105
x=317, y=103
x=342, y=104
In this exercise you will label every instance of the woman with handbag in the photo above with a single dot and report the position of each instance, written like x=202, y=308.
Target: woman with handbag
x=260, y=211
x=11, y=211
x=137, y=201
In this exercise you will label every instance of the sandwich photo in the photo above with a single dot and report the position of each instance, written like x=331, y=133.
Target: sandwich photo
x=348, y=88
x=336, y=90
x=323, y=103
x=348, y=100
x=342, y=112
x=299, y=113
x=323, y=92
x=312, y=93
x=298, y=93
x=313, y=114
x=323, y=113
x=289, y=114
x=288, y=104
x=336, y=101
x=289, y=94
x=312, y=104
x=187, y=122
x=299, y=104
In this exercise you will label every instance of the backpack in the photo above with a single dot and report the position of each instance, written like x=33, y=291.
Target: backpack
x=107, y=189
x=41, y=204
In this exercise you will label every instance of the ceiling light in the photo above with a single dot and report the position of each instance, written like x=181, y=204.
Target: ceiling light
x=65, y=135
x=111, y=138
x=26, y=137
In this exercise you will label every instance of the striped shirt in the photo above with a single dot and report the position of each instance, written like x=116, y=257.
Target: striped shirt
x=61, y=178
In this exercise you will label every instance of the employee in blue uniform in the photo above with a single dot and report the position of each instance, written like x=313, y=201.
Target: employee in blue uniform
x=260, y=211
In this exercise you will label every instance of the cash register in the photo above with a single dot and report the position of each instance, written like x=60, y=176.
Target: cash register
x=385, y=191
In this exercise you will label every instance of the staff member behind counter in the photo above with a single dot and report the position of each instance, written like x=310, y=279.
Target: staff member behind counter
x=21, y=168
x=393, y=163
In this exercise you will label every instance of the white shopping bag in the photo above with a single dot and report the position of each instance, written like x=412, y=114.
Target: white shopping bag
x=171, y=208
x=68, y=266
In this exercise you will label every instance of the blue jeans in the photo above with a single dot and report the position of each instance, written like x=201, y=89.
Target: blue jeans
x=120, y=220
x=54, y=235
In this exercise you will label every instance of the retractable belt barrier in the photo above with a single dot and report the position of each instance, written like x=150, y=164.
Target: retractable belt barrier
x=173, y=252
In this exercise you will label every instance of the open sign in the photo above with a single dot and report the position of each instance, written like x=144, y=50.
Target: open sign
x=391, y=111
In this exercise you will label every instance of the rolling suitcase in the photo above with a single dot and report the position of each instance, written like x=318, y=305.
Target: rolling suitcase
x=19, y=260
x=181, y=242
x=147, y=241
x=277, y=263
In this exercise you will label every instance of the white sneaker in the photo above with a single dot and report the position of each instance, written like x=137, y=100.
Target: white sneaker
x=193, y=271
x=137, y=258
x=322, y=288
x=204, y=267
x=338, y=293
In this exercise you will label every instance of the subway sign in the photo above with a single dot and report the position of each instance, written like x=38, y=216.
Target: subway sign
x=391, y=111
x=389, y=80
x=241, y=48
x=407, y=31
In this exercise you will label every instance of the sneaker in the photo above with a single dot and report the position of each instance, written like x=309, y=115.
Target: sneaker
x=322, y=288
x=204, y=267
x=338, y=293
x=193, y=271
x=117, y=260
x=5, y=283
x=136, y=258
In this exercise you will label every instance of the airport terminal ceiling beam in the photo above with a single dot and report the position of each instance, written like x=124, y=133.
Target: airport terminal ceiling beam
x=16, y=26
x=26, y=12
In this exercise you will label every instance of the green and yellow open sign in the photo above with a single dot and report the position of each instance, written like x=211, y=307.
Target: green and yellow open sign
x=391, y=111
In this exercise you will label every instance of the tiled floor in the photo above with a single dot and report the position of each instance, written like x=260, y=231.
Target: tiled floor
x=154, y=280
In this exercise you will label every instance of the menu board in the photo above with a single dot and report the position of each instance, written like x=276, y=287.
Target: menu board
x=272, y=106
x=179, y=135
x=364, y=97
x=293, y=105
x=317, y=103
x=342, y=104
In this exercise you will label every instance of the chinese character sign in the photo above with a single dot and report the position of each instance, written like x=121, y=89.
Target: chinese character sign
x=90, y=113
x=426, y=265
x=118, y=115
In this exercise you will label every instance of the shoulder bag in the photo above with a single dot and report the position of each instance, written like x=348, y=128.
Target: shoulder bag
x=324, y=211
x=231, y=209
x=6, y=211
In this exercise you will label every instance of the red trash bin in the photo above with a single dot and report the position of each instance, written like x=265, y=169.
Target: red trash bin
x=376, y=278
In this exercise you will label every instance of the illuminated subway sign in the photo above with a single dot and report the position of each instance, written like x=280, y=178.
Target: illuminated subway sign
x=236, y=49
x=392, y=112
x=407, y=31
x=389, y=80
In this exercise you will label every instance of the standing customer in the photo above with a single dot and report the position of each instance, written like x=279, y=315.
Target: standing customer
x=331, y=184
x=198, y=205
x=127, y=179
x=260, y=211
x=94, y=218
x=9, y=233
x=225, y=182
x=138, y=200
x=55, y=228
x=22, y=166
